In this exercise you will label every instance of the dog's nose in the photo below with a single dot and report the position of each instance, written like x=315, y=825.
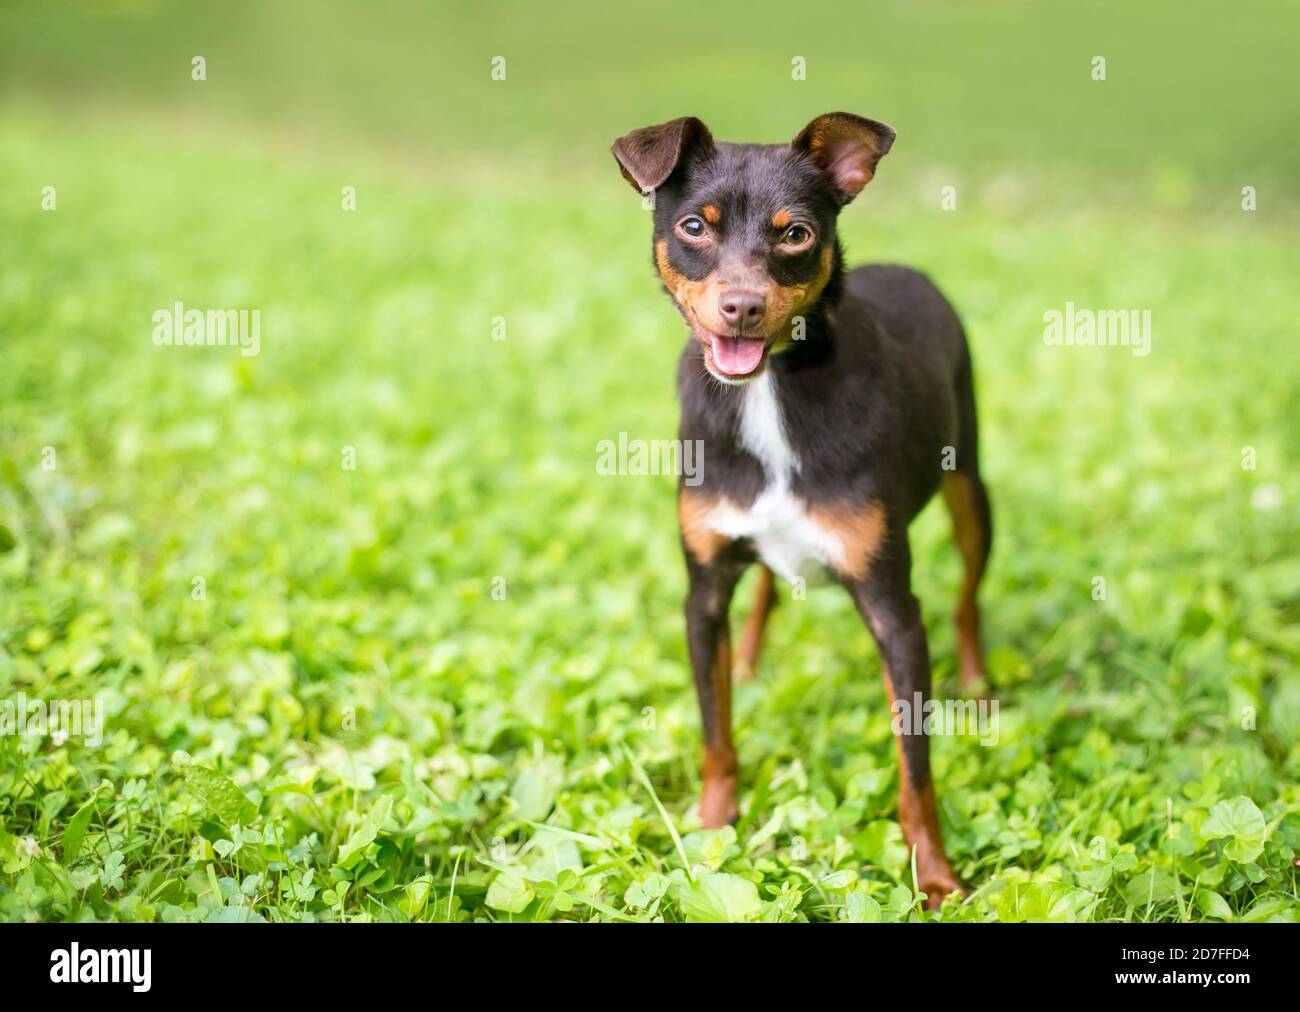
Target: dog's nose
x=742, y=310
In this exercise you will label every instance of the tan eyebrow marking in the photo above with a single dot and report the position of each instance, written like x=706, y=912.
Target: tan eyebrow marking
x=782, y=218
x=711, y=213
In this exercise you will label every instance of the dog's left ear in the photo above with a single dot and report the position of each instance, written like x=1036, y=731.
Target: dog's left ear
x=650, y=155
x=846, y=148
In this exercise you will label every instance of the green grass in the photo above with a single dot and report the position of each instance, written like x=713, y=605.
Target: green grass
x=405, y=745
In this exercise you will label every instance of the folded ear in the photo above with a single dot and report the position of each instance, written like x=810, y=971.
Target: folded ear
x=846, y=148
x=650, y=155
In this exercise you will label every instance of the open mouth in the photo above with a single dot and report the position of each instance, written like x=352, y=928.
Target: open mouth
x=734, y=357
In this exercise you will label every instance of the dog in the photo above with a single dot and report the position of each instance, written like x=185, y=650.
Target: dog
x=831, y=406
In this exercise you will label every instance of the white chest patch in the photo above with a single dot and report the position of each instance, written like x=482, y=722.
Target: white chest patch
x=786, y=538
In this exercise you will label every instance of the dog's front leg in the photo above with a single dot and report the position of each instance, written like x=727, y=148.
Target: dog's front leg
x=893, y=614
x=708, y=640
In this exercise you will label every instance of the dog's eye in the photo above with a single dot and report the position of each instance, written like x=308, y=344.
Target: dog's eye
x=691, y=227
x=797, y=237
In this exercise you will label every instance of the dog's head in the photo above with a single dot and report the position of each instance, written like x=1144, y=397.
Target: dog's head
x=744, y=234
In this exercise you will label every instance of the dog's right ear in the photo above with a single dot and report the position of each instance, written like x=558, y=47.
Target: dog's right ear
x=650, y=155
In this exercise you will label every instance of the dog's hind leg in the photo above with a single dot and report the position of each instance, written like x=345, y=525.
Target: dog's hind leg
x=968, y=503
x=972, y=527
x=751, y=639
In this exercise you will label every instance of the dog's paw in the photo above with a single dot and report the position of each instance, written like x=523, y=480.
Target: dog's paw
x=974, y=679
x=938, y=885
x=718, y=803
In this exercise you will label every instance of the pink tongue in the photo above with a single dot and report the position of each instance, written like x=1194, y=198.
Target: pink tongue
x=737, y=356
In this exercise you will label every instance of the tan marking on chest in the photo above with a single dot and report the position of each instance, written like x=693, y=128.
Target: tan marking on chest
x=860, y=531
x=701, y=539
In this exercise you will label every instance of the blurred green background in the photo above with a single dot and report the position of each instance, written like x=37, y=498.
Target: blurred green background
x=406, y=744
x=1197, y=94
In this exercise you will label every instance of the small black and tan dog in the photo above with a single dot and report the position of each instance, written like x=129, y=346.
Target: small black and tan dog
x=831, y=406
